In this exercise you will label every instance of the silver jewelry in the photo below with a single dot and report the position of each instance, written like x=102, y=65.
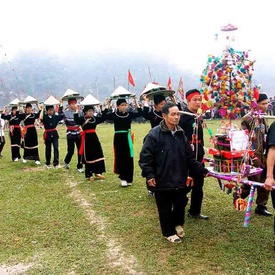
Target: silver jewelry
x=121, y=116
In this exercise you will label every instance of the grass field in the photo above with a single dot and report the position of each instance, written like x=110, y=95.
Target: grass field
x=57, y=222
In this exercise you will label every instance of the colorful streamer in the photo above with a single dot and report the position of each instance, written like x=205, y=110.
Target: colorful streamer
x=249, y=206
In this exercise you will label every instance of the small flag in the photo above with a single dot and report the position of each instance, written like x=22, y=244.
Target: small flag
x=180, y=89
x=169, y=84
x=56, y=106
x=130, y=78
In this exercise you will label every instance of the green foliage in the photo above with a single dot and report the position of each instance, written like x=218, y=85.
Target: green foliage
x=63, y=224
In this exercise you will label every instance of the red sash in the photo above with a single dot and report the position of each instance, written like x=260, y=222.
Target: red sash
x=25, y=128
x=82, y=133
x=12, y=127
x=47, y=131
x=73, y=128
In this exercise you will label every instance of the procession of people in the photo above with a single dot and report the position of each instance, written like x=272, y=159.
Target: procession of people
x=171, y=158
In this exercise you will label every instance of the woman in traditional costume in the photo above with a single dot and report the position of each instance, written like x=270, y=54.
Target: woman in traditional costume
x=90, y=149
x=14, y=132
x=30, y=135
x=123, y=139
x=155, y=114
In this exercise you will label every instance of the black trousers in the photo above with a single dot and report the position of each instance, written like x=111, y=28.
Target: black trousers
x=15, y=152
x=2, y=143
x=171, y=208
x=71, y=142
x=196, y=193
x=48, y=151
x=127, y=172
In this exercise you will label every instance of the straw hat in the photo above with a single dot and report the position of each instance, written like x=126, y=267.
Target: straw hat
x=121, y=92
x=152, y=90
x=30, y=99
x=14, y=102
x=70, y=93
x=51, y=101
x=89, y=100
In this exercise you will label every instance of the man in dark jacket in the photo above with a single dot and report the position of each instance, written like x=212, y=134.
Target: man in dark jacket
x=165, y=158
x=154, y=116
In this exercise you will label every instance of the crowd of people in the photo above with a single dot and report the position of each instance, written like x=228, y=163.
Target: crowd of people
x=171, y=158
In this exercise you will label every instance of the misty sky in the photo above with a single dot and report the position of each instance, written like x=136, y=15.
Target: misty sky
x=182, y=31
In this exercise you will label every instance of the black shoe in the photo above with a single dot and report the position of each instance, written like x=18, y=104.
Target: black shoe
x=262, y=211
x=199, y=216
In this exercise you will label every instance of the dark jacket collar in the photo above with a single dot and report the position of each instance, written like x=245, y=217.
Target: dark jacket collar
x=164, y=127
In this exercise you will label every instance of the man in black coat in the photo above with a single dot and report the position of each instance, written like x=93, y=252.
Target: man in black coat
x=165, y=159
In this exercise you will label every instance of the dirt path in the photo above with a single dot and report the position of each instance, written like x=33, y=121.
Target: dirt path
x=15, y=269
x=115, y=254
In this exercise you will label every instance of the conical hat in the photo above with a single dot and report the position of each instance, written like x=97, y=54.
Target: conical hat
x=152, y=89
x=70, y=93
x=121, y=92
x=89, y=100
x=14, y=102
x=30, y=99
x=51, y=101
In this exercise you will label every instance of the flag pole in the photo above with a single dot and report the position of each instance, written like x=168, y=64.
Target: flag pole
x=150, y=73
x=97, y=95
x=128, y=80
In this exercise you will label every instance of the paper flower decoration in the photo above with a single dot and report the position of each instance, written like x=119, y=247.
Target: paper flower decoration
x=226, y=82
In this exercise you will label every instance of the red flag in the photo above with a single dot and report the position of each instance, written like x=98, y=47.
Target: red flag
x=169, y=84
x=130, y=78
x=180, y=89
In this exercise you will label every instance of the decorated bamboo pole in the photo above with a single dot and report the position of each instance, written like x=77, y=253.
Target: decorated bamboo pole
x=235, y=178
x=188, y=113
x=249, y=206
x=253, y=185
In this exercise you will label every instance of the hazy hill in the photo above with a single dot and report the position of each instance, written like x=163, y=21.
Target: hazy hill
x=40, y=74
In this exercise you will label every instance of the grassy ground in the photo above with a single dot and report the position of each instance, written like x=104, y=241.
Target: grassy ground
x=56, y=222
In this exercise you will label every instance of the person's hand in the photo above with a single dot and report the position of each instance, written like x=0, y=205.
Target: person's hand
x=145, y=98
x=269, y=182
x=173, y=98
x=206, y=172
x=152, y=182
x=108, y=103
